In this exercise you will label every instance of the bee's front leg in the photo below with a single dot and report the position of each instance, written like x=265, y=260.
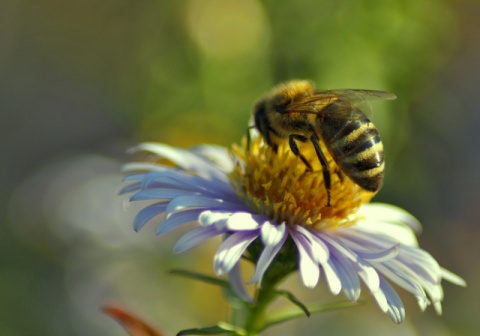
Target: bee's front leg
x=295, y=150
x=324, y=163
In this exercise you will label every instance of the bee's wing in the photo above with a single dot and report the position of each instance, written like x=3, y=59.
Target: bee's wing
x=347, y=103
x=358, y=95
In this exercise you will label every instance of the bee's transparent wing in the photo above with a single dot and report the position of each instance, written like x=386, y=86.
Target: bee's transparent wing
x=344, y=103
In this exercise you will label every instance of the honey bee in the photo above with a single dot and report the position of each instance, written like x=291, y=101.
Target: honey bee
x=298, y=111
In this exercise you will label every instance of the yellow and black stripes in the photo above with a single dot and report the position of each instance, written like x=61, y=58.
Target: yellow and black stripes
x=356, y=147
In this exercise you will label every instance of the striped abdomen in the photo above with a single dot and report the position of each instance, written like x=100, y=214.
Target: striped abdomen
x=356, y=147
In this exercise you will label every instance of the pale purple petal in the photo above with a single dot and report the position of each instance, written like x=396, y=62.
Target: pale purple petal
x=158, y=194
x=267, y=256
x=182, y=181
x=147, y=213
x=320, y=251
x=194, y=237
x=308, y=266
x=332, y=242
x=381, y=256
x=178, y=219
x=183, y=158
x=134, y=177
x=395, y=309
x=340, y=275
x=206, y=203
x=216, y=154
x=130, y=188
x=232, y=249
x=404, y=281
x=366, y=272
x=144, y=166
x=360, y=240
x=420, y=263
x=186, y=181
x=237, y=284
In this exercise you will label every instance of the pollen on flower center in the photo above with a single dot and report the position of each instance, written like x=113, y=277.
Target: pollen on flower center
x=280, y=186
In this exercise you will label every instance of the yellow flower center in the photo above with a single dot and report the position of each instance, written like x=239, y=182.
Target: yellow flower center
x=280, y=186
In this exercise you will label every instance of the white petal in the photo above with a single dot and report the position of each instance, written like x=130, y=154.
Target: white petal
x=452, y=277
x=208, y=217
x=272, y=234
x=399, y=277
x=243, y=221
x=422, y=266
x=423, y=302
x=438, y=307
x=368, y=274
x=332, y=240
x=390, y=213
x=399, y=232
x=231, y=250
x=308, y=267
x=319, y=249
x=332, y=277
x=217, y=154
x=267, y=256
x=381, y=256
x=395, y=310
x=381, y=300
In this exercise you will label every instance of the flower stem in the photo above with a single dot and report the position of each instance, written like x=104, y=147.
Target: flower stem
x=257, y=314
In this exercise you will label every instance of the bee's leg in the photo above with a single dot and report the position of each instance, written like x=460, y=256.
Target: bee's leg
x=269, y=141
x=295, y=150
x=324, y=162
x=339, y=174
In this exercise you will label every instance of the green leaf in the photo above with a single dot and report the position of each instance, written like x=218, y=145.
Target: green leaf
x=215, y=330
x=220, y=328
x=202, y=277
x=290, y=313
x=293, y=299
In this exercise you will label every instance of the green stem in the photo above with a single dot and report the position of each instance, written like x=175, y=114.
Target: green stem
x=280, y=268
x=257, y=315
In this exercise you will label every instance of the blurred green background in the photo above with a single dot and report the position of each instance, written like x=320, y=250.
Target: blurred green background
x=81, y=81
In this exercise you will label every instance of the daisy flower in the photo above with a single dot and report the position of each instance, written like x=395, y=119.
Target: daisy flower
x=271, y=210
